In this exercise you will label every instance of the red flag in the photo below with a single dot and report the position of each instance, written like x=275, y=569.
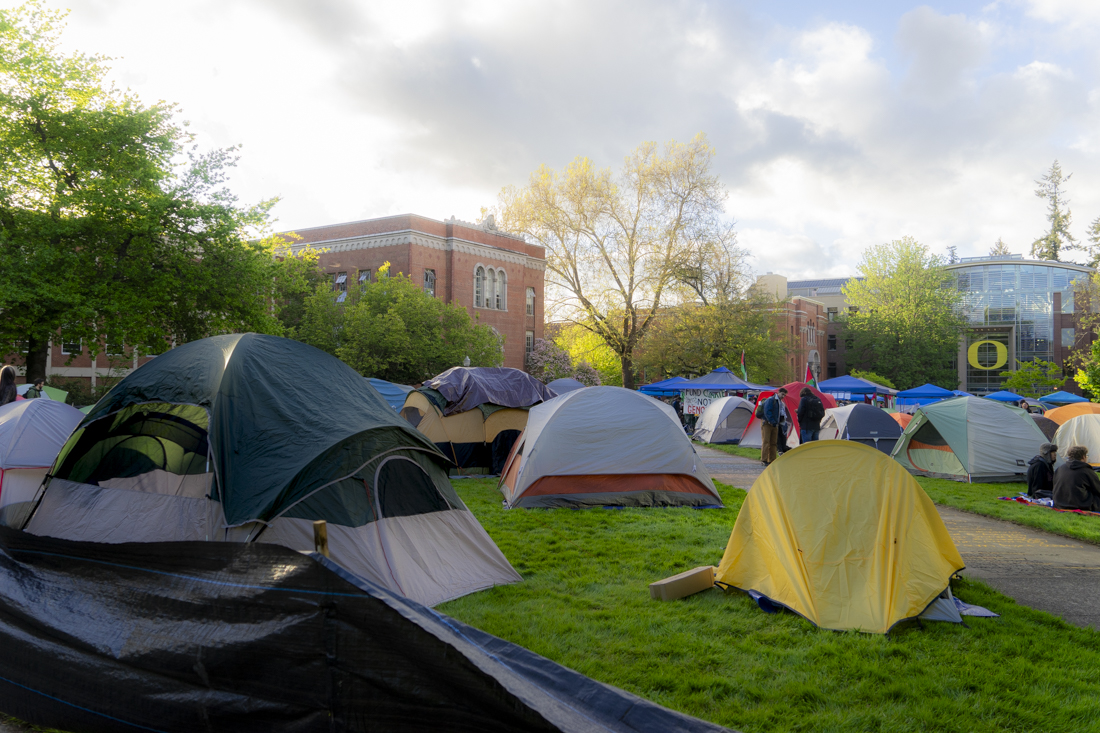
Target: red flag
x=810, y=377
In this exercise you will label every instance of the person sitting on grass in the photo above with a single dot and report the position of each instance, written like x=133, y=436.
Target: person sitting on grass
x=1076, y=485
x=1040, y=472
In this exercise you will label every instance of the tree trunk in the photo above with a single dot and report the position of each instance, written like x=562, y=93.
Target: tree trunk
x=37, y=355
x=628, y=371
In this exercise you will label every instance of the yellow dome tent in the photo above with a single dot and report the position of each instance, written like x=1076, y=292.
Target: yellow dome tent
x=842, y=535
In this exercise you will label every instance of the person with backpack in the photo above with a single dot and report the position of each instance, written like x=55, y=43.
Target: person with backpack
x=770, y=413
x=810, y=414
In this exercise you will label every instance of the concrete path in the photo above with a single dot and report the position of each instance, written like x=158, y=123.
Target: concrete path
x=1051, y=573
x=732, y=470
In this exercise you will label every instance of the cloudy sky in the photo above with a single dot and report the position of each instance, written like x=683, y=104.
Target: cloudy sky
x=837, y=125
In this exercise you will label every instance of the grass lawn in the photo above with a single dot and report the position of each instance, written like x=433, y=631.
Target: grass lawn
x=735, y=450
x=983, y=499
x=585, y=603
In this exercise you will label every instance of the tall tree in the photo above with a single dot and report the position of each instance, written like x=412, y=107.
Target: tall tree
x=615, y=243
x=905, y=324
x=103, y=231
x=1093, y=247
x=1034, y=378
x=1050, y=187
x=999, y=248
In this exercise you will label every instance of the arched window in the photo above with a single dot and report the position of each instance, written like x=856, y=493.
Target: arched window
x=491, y=291
x=479, y=287
x=502, y=291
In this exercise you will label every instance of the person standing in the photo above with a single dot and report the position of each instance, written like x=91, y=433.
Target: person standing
x=36, y=389
x=810, y=414
x=770, y=415
x=1076, y=485
x=8, y=392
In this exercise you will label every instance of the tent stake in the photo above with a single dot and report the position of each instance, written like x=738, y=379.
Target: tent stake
x=320, y=537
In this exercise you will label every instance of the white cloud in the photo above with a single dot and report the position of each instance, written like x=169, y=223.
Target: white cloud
x=831, y=137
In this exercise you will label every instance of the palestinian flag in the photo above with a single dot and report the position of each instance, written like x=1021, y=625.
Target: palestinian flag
x=810, y=378
x=744, y=372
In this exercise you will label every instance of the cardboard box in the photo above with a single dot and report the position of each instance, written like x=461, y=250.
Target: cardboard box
x=683, y=585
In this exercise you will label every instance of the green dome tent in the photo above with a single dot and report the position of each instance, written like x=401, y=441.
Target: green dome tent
x=229, y=438
x=969, y=439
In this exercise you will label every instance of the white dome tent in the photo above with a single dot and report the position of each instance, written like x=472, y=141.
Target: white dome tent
x=31, y=435
x=724, y=420
x=605, y=446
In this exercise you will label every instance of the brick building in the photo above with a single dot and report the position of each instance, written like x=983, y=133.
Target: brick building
x=497, y=276
x=802, y=323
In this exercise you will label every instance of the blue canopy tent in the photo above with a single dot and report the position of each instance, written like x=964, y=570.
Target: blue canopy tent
x=665, y=388
x=853, y=388
x=391, y=393
x=722, y=379
x=960, y=393
x=1005, y=396
x=1061, y=398
x=923, y=395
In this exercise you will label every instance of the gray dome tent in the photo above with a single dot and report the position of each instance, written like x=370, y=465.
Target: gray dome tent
x=225, y=439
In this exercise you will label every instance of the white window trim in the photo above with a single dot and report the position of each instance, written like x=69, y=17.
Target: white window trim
x=498, y=276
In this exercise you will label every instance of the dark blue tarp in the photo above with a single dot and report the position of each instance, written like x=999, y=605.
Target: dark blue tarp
x=465, y=388
x=226, y=636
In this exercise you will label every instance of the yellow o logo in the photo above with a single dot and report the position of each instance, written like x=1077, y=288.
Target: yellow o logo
x=1002, y=355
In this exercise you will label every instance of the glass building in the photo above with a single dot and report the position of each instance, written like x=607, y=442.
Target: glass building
x=1018, y=310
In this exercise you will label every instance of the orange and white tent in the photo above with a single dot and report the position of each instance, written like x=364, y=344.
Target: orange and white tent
x=605, y=446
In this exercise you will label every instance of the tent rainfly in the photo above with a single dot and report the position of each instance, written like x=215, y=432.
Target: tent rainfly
x=1049, y=427
x=565, y=384
x=752, y=439
x=31, y=435
x=865, y=424
x=969, y=439
x=605, y=446
x=1082, y=430
x=221, y=439
x=724, y=420
x=841, y=535
x=1066, y=412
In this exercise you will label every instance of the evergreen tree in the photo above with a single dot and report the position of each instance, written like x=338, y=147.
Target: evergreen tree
x=999, y=248
x=1050, y=245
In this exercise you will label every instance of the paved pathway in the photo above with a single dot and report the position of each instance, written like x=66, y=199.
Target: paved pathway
x=1051, y=573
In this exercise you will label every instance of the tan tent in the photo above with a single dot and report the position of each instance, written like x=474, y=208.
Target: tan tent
x=1081, y=430
x=480, y=437
x=605, y=446
x=724, y=420
x=842, y=535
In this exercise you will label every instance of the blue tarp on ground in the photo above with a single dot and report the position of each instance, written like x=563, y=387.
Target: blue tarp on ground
x=1061, y=398
x=392, y=393
x=923, y=394
x=853, y=385
x=1004, y=396
x=723, y=379
x=664, y=388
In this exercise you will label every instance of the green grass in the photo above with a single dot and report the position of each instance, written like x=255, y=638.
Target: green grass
x=983, y=499
x=735, y=450
x=585, y=603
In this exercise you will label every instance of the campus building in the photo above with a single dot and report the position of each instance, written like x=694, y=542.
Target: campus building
x=801, y=321
x=1017, y=310
x=496, y=276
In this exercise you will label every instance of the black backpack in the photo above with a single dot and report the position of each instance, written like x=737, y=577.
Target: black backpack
x=815, y=411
